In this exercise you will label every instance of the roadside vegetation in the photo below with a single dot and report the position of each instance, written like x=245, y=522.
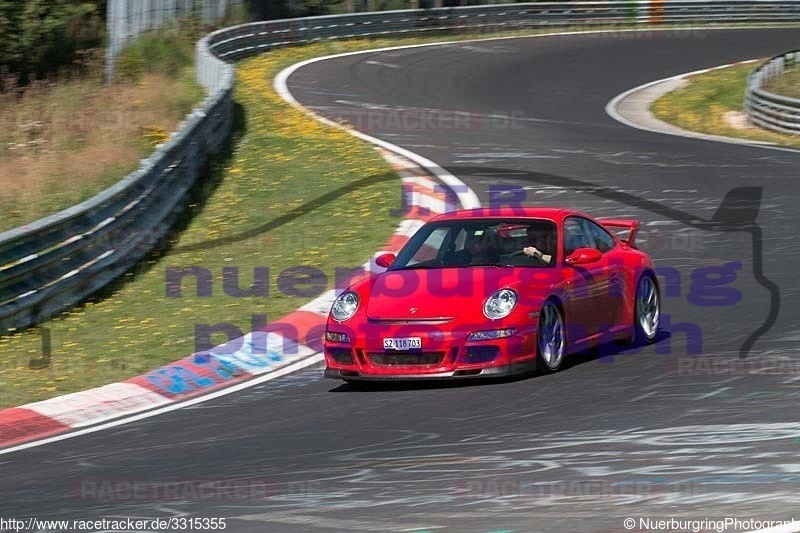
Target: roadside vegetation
x=321, y=198
x=305, y=195
x=713, y=103
x=75, y=129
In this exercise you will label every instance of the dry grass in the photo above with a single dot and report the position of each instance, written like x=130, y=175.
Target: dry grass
x=80, y=133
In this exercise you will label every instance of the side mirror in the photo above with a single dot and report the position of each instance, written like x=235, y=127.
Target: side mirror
x=583, y=256
x=385, y=260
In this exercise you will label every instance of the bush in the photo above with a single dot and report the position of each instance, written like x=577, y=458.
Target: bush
x=153, y=53
x=40, y=37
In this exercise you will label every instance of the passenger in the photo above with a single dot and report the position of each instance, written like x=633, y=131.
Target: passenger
x=478, y=244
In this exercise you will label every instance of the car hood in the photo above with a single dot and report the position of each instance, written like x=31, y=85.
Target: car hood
x=447, y=293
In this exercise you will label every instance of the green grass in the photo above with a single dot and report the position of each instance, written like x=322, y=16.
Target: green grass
x=701, y=106
x=787, y=84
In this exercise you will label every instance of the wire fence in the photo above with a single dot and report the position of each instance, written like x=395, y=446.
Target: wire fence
x=127, y=19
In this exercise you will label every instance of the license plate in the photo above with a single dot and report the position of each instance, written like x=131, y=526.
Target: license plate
x=402, y=343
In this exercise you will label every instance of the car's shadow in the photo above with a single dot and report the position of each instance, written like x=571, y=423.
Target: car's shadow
x=597, y=353
x=605, y=352
x=444, y=383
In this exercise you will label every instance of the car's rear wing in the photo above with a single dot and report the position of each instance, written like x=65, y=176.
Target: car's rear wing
x=624, y=228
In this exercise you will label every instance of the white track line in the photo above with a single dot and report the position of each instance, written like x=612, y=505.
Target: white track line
x=466, y=196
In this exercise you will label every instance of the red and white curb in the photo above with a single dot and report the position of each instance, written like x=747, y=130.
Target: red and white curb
x=291, y=343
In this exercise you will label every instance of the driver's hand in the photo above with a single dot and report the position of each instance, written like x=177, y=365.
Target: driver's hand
x=530, y=251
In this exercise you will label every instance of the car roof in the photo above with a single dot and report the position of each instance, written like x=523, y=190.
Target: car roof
x=556, y=214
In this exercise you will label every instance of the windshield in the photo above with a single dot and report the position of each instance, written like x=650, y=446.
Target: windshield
x=483, y=242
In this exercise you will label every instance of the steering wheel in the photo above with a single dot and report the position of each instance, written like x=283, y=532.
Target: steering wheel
x=520, y=253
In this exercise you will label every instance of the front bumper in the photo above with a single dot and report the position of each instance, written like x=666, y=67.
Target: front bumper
x=489, y=372
x=445, y=353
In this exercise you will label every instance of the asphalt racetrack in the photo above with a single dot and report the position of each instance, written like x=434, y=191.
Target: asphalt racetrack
x=684, y=429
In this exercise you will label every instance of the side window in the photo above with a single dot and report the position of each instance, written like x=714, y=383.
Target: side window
x=602, y=240
x=459, y=239
x=576, y=235
x=430, y=248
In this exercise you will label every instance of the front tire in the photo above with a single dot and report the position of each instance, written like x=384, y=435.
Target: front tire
x=647, y=311
x=550, y=338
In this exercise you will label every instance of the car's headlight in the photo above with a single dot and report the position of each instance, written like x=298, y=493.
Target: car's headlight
x=344, y=306
x=500, y=304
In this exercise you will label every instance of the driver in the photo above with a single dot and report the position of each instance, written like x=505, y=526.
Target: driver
x=538, y=237
x=478, y=244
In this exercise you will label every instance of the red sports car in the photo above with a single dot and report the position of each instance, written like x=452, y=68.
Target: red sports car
x=490, y=292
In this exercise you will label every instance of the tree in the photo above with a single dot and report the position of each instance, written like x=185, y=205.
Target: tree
x=275, y=9
x=42, y=36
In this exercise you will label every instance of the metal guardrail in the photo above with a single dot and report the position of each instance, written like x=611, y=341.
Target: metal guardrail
x=60, y=260
x=55, y=262
x=768, y=110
